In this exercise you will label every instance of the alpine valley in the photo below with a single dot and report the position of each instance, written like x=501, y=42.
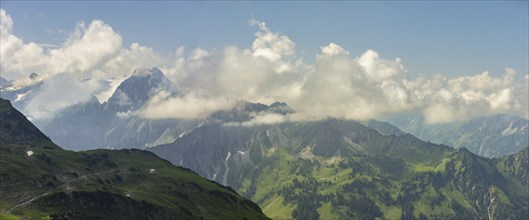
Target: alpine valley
x=320, y=169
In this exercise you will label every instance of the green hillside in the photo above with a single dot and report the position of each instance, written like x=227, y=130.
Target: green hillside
x=461, y=185
x=335, y=169
x=39, y=179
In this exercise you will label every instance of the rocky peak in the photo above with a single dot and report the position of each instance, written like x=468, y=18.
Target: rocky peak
x=33, y=76
x=132, y=93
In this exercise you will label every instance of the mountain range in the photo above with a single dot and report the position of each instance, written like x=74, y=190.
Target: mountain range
x=336, y=169
x=324, y=169
x=488, y=136
x=39, y=180
x=116, y=124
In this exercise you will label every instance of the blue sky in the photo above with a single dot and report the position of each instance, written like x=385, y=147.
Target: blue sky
x=451, y=38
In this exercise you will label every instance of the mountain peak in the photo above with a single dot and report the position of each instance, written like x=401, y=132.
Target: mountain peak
x=155, y=72
x=281, y=108
x=33, y=76
x=275, y=104
x=139, y=87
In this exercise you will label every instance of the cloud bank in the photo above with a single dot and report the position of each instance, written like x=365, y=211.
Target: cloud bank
x=337, y=84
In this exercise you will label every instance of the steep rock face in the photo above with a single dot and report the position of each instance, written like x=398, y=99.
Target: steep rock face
x=483, y=185
x=491, y=136
x=334, y=169
x=517, y=166
x=136, y=90
x=39, y=180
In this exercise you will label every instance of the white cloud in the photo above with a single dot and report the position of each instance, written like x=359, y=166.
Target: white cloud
x=190, y=106
x=86, y=49
x=16, y=56
x=447, y=100
x=262, y=119
x=332, y=50
x=378, y=69
x=336, y=85
x=270, y=45
x=59, y=92
x=126, y=115
x=92, y=51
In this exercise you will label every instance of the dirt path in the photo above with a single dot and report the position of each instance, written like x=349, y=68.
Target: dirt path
x=26, y=202
x=66, y=183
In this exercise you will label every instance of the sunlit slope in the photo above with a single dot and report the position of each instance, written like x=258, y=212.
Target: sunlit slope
x=336, y=169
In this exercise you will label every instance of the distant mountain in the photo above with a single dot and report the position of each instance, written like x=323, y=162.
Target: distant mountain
x=40, y=180
x=136, y=90
x=336, y=169
x=20, y=96
x=489, y=136
x=516, y=166
x=244, y=111
x=114, y=124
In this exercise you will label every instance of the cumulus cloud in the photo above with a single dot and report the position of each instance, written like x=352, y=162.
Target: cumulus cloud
x=337, y=84
x=270, y=45
x=262, y=119
x=16, y=56
x=93, y=51
x=87, y=48
x=460, y=98
x=332, y=50
x=58, y=93
x=126, y=115
x=358, y=88
x=190, y=106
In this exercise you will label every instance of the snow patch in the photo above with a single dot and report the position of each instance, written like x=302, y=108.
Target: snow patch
x=227, y=169
x=29, y=153
x=182, y=134
x=240, y=152
x=508, y=131
x=228, y=156
x=152, y=171
x=215, y=174
x=21, y=97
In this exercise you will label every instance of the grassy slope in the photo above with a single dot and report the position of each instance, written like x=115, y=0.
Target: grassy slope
x=102, y=183
x=335, y=169
x=432, y=190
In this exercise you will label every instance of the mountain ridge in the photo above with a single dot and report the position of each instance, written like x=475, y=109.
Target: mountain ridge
x=490, y=136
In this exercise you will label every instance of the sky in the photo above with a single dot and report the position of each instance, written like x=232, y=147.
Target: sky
x=450, y=38
x=352, y=59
